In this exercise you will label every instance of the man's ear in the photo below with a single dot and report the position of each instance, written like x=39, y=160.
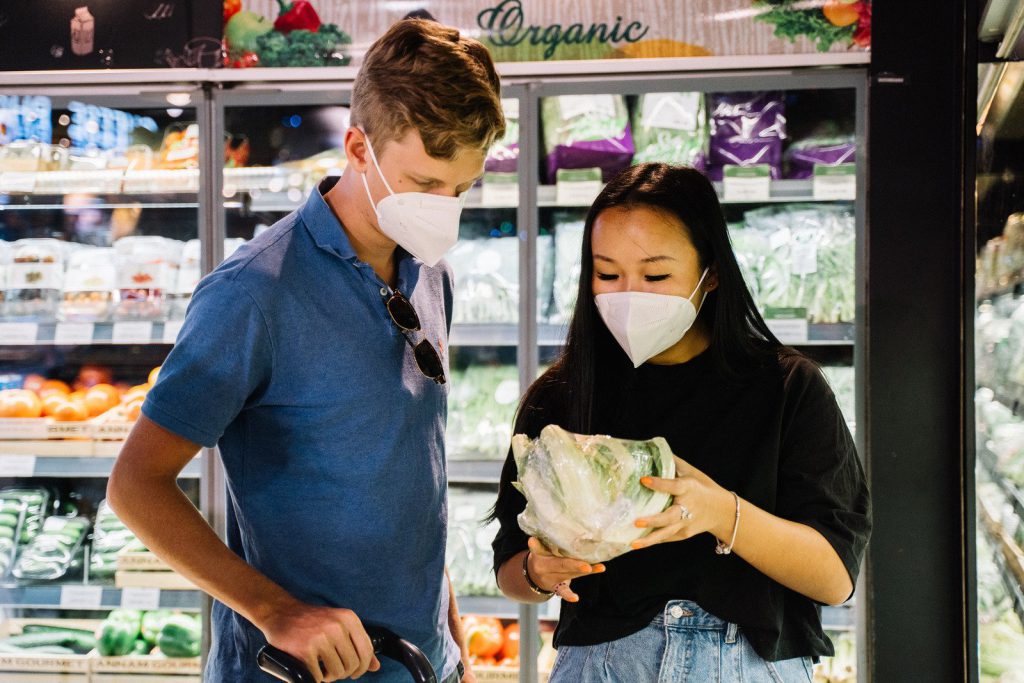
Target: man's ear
x=355, y=149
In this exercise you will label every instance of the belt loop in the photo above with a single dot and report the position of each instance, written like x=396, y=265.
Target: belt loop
x=731, y=634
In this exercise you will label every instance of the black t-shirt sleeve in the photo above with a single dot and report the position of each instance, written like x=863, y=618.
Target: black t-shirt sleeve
x=821, y=478
x=510, y=539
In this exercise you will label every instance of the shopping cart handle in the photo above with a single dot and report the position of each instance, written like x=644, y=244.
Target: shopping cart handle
x=285, y=667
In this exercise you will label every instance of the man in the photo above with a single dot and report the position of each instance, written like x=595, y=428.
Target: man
x=316, y=359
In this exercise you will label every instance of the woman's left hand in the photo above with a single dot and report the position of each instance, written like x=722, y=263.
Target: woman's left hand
x=700, y=505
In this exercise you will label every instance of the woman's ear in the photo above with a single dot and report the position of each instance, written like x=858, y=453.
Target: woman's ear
x=711, y=283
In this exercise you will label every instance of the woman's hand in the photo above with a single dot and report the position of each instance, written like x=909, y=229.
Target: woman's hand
x=553, y=572
x=699, y=505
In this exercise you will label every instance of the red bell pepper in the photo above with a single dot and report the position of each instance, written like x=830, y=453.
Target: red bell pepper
x=231, y=8
x=862, y=37
x=298, y=15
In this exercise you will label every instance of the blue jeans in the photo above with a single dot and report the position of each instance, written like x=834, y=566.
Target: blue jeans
x=684, y=644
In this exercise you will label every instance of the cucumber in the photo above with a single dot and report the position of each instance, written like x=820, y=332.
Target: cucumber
x=49, y=628
x=7, y=519
x=44, y=649
x=80, y=643
x=6, y=532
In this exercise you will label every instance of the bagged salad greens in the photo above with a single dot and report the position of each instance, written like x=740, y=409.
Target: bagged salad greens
x=747, y=129
x=671, y=127
x=583, y=493
x=586, y=131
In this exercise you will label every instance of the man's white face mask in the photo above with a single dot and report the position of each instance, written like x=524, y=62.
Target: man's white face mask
x=425, y=225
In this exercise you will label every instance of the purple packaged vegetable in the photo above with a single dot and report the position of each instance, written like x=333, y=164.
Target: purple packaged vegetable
x=747, y=129
x=803, y=156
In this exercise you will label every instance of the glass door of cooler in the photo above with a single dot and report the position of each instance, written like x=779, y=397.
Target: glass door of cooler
x=999, y=372
x=99, y=216
x=782, y=152
x=294, y=136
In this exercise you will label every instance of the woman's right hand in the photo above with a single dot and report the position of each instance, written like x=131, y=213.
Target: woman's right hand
x=553, y=572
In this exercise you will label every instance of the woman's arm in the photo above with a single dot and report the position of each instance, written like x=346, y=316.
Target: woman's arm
x=792, y=554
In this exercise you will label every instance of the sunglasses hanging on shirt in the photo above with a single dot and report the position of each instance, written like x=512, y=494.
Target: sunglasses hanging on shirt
x=404, y=316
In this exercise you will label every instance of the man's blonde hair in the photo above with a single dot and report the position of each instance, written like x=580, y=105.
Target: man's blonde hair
x=425, y=76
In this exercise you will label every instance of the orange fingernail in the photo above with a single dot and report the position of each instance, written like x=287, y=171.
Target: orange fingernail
x=636, y=545
x=640, y=523
x=584, y=567
x=645, y=481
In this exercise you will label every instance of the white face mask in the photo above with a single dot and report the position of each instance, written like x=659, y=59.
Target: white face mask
x=425, y=225
x=646, y=324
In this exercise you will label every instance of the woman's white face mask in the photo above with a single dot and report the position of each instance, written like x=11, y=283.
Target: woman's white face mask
x=646, y=324
x=425, y=225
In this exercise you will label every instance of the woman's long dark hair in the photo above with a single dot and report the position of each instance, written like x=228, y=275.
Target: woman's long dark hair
x=740, y=339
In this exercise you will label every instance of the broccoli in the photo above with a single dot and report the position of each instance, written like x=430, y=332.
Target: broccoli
x=326, y=47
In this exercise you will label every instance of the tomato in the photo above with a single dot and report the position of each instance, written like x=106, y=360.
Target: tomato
x=511, y=648
x=231, y=8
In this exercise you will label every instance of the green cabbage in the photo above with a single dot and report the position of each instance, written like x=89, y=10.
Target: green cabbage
x=583, y=493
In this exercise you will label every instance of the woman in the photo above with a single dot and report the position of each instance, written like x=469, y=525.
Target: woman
x=771, y=513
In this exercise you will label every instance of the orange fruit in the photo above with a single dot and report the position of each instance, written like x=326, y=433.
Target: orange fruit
x=24, y=403
x=51, y=402
x=33, y=383
x=110, y=390
x=98, y=402
x=134, y=408
x=55, y=384
x=840, y=13
x=70, y=411
x=154, y=374
x=135, y=392
x=77, y=397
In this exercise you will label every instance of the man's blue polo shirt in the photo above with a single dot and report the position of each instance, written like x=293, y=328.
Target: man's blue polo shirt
x=332, y=439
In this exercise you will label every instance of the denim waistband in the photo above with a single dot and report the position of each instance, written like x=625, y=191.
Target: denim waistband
x=686, y=614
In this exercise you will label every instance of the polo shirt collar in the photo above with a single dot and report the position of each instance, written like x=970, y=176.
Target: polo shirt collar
x=325, y=228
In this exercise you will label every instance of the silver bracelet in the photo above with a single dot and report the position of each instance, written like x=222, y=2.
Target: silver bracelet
x=722, y=548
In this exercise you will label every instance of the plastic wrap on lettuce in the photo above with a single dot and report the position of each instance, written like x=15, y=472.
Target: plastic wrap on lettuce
x=829, y=144
x=583, y=493
x=586, y=131
x=671, y=128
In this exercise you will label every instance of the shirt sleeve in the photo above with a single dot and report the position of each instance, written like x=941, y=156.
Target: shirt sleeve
x=821, y=478
x=220, y=364
x=510, y=539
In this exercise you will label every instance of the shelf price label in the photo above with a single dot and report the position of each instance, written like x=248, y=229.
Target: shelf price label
x=500, y=189
x=747, y=183
x=140, y=598
x=833, y=182
x=577, y=186
x=132, y=333
x=74, y=333
x=15, y=182
x=81, y=597
x=17, y=465
x=788, y=324
x=19, y=333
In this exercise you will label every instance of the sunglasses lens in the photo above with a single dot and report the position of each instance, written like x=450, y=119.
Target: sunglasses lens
x=403, y=313
x=429, y=362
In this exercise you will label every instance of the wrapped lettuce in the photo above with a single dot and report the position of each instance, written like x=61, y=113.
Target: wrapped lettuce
x=586, y=131
x=672, y=128
x=583, y=493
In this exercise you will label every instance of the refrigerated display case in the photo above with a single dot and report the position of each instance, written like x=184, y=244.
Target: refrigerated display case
x=515, y=264
x=99, y=190
x=999, y=371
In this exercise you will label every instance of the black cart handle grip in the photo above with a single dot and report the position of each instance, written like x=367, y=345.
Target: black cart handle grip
x=285, y=667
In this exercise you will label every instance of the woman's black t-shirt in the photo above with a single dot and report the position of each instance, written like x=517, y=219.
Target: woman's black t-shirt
x=778, y=439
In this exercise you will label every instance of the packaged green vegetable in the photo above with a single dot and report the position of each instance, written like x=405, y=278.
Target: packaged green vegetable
x=583, y=493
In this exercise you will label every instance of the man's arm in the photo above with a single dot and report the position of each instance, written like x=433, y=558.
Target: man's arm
x=144, y=492
x=455, y=624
